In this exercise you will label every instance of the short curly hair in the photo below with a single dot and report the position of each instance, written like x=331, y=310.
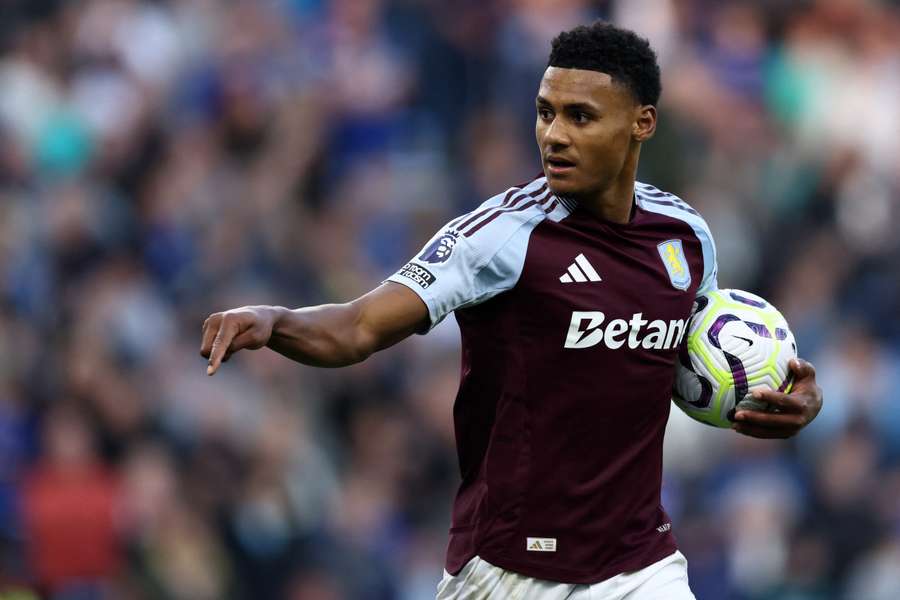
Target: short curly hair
x=620, y=53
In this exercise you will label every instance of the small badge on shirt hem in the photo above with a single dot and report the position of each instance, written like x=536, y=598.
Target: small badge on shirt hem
x=534, y=544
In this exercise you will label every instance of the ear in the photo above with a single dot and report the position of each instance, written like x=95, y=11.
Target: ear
x=644, y=123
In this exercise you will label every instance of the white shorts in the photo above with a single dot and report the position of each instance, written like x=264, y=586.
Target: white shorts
x=479, y=580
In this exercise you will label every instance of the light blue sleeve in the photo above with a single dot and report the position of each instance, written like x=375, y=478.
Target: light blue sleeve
x=465, y=264
x=710, y=263
x=655, y=200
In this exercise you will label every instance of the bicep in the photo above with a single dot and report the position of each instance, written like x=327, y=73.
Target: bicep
x=388, y=314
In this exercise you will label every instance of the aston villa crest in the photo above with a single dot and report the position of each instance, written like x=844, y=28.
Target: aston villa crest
x=672, y=254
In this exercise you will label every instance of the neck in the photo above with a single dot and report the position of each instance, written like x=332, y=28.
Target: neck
x=614, y=202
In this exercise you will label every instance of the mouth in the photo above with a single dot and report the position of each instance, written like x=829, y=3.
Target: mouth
x=558, y=165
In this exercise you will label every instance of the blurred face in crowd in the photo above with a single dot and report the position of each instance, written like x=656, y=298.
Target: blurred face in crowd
x=589, y=130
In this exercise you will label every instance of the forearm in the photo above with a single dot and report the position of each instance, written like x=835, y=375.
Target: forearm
x=322, y=336
x=331, y=335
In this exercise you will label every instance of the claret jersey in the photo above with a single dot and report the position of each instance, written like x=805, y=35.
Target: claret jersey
x=569, y=327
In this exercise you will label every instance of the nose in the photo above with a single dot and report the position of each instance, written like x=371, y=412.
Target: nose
x=555, y=135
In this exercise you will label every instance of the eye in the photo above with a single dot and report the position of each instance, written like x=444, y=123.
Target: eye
x=581, y=117
x=545, y=114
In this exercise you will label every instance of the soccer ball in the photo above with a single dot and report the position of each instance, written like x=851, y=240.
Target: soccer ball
x=735, y=343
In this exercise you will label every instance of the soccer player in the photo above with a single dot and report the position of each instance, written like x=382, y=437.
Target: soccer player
x=572, y=293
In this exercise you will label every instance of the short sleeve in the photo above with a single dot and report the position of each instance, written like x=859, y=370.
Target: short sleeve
x=657, y=201
x=710, y=263
x=476, y=256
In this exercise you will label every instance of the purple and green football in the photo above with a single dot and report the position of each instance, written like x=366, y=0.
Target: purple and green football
x=736, y=342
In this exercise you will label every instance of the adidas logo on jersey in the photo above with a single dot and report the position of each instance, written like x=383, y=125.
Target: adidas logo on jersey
x=540, y=544
x=585, y=331
x=580, y=271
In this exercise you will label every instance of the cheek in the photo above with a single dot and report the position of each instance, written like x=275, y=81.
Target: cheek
x=600, y=155
x=608, y=149
x=540, y=127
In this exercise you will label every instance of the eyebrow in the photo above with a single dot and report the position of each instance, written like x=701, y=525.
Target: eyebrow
x=570, y=106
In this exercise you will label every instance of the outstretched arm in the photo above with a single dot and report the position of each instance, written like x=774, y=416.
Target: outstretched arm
x=330, y=335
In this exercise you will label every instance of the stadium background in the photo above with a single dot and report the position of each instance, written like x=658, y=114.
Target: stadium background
x=163, y=160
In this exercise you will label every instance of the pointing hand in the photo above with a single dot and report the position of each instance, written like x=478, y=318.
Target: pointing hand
x=224, y=333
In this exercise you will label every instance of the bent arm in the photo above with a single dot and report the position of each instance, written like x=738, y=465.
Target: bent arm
x=337, y=335
x=330, y=335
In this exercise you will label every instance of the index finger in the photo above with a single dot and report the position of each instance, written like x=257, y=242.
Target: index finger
x=776, y=421
x=784, y=402
x=210, y=329
x=227, y=331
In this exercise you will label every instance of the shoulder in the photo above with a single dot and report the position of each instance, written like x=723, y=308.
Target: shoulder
x=510, y=210
x=496, y=231
x=481, y=253
x=654, y=200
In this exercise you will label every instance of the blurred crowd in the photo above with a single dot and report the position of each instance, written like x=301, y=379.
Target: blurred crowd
x=161, y=160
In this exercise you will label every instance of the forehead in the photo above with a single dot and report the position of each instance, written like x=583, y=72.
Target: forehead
x=566, y=86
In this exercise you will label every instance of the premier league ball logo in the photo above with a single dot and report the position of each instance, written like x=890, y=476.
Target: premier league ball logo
x=439, y=250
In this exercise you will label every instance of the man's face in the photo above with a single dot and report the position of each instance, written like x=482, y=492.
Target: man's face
x=585, y=129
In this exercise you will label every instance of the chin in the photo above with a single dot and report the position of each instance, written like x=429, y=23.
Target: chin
x=562, y=187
